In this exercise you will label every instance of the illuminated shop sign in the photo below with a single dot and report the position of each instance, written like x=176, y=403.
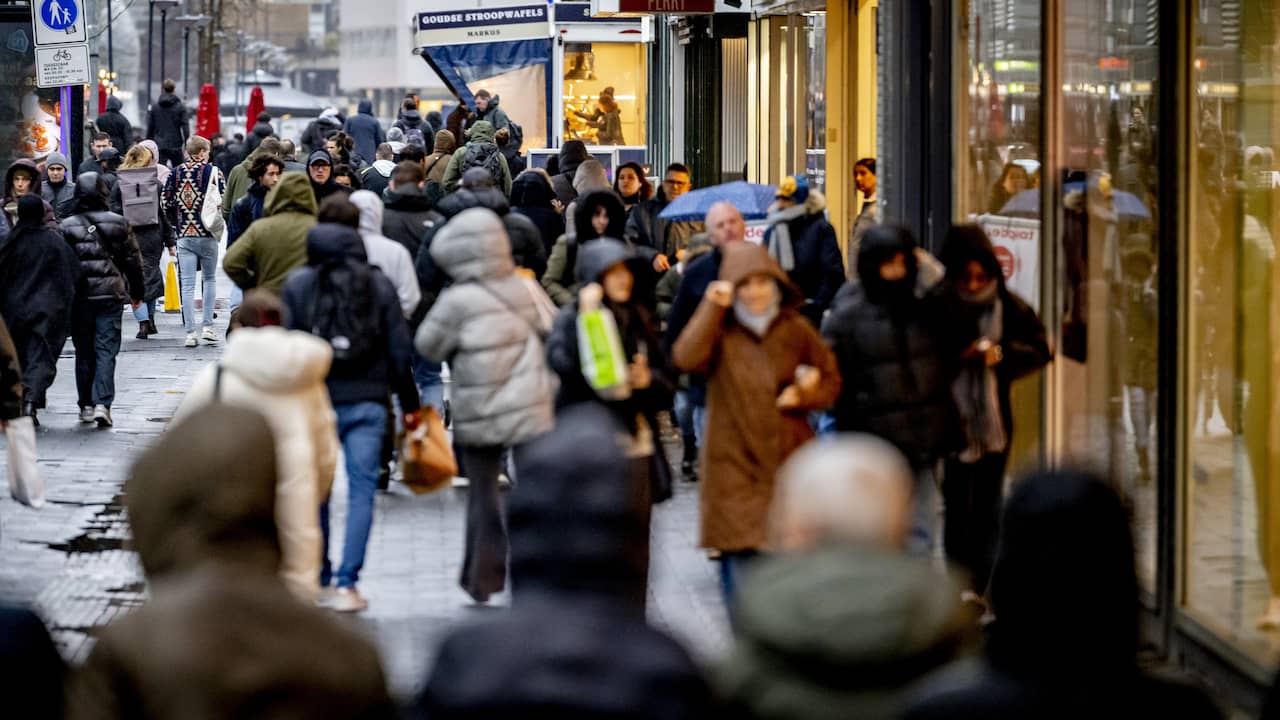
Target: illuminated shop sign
x=463, y=27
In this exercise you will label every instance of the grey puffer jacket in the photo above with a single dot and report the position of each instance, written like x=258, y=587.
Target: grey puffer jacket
x=486, y=326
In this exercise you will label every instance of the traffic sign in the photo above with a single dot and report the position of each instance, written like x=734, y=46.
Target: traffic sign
x=58, y=65
x=58, y=21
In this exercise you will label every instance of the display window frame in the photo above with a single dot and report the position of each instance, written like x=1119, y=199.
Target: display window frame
x=633, y=31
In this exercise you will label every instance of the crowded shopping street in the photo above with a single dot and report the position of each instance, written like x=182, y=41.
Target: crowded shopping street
x=643, y=359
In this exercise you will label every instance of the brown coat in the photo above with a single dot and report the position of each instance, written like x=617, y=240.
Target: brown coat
x=747, y=437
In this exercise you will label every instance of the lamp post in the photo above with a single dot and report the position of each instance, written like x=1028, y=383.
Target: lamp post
x=164, y=6
x=111, y=55
x=187, y=22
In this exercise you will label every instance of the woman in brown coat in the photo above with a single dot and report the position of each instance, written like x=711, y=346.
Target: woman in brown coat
x=767, y=368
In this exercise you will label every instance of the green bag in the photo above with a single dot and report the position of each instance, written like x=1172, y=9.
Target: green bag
x=604, y=362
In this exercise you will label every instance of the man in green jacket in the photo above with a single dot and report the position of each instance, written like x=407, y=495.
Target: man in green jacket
x=238, y=180
x=479, y=137
x=276, y=244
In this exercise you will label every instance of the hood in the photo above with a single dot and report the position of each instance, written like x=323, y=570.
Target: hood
x=292, y=194
x=531, y=189
x=590, y=176
x=878, y=245
x=411, y=118
x=277, y=361
x=572, y=154
x=574, y=526
x=489, y=198
x=57, y=158
x=473, y=246
x=482, y=131
x=384, y=167
x=114, y=104
x=264, y=118
x=445, y=143
x=320, y=155
x=841, y=622
x=169, y=100
x=330, y=241
x=91, y=193
x=21, y=163
x=408, y=199
x=154, y=149
x=370, y=206
x=599, y=255
x=331, y=120
x=741, y=260
x=966, y=243
x=586, y=207
x=365, y=107
x=30, y=214
x=221, y=508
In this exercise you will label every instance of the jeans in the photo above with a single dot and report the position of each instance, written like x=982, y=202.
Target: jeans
x=924, y=520
x=699, y=422
x=683, y=410
x=732, y=567
x=191, y=251
x=426, y=375
x=360, y=429
x=237, y=297
x=95, y=332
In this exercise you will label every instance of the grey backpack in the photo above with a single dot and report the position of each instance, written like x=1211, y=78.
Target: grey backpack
x=139, y=196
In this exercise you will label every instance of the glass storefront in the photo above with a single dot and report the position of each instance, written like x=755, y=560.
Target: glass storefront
x=605, y=85
x=787, y=73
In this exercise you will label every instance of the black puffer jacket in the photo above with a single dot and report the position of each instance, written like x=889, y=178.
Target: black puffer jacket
x=890, y=348
x=115, y=124
x=404, y=219
x=110, y=262
x=261, y=131
x=531, y=196
x=167, y=122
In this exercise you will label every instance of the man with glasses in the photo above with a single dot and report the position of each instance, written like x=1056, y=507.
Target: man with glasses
x=659, y=241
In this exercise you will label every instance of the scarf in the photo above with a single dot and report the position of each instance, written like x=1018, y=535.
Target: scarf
x=758, y=324
x=976, y=389
x=780, y=239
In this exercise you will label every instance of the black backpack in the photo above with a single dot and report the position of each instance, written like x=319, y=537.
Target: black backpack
x=483, y=155
x=343, y=313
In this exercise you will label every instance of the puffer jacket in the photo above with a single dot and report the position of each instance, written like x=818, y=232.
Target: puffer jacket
x=167, y=122
x=486, y=326
x=110, y=261
x=114, y=123
x=405, y=216
x=531, y=196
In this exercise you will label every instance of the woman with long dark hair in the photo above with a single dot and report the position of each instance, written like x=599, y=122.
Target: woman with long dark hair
x=631, y=185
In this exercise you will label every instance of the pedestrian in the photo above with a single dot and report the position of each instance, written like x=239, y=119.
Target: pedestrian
x=275, y=245
x=1061, y=531
x=598, y=215
x=110, y=161
x=576, y=562
x=748, y=338
x=479, y=152
x=110, y=276
x=29, y=661
x=208, y=542
x=261, y=131
x=280, y=374
x=410, y=123
x=631, y=185
x=98, y=142
x=387, y=255
x=435, y=123
x=264, y=173
x=487, y=110
x=509, y=145
x=669, y=284
x=864, y=180
x=486, y=325
x=342, y=149
x=657, y=240
x=116, y=125
x=377, y=176
x=591, y=177
x=23, y=178
x=138, y=195
x=459, y=119
x=219, y=155
x=184, y=197
x=319, y=130
x=341, y=299
x=840, y=593
x=395, y=138
x=1013, y=180
x=162, y=171
x=532, y=196
x=572, y=154
x=238, y=181
x=608, y=272
x=896, y=364
x=1002, y=340
x=606, y=120
x=407, y=208
x=289, y=153
x=38, y=276
x=804, y=244
x=347, y=177
x=320, y=169
x=57, y=188
x=365, y=130
x=167, y=125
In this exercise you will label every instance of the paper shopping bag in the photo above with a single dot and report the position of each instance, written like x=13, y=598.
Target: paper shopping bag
x=25, y=482
x=172, y=303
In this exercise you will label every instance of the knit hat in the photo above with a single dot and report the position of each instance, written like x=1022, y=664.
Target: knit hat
x=794, y=188
x=58, y=159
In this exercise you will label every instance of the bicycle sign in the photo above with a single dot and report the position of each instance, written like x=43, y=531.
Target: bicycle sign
x=61, y=65
x=62, y=54
x=58, y=21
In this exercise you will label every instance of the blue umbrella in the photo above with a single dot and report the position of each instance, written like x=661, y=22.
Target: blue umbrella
x=1027, y=203
x=752, y=201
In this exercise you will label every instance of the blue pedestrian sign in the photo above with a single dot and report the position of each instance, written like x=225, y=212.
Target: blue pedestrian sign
x=58, y=21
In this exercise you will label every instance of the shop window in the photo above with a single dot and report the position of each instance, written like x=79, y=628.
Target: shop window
x=815, y=24
x=605, y=86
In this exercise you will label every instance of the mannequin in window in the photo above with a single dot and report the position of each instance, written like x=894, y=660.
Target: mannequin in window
x=607, y=119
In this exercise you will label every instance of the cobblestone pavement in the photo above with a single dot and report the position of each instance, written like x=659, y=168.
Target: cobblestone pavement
x=71, y=562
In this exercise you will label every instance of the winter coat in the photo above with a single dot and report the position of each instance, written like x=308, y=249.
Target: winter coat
x=30, y=660
x=208, y=542
x=237, y=184
x=319, y=131
x=11, y=389
x=62, y=196
x=387, y=368
x=248, y=209
x=328, y=187
x=275, y=245
x=438, y=161
x=365, y=130
x=405, y=216
x=819, y=266
x=575, y=564
x=494, y=115
x=50, y=218
x=110, y=262
x=411, y=120
x=654, y=236
x=114, y=123
x=561, y=279
x=487, y=328
x=572, y=154
x=167, y=123
x=747, y=438
x=839, y=632
x=377, y=177
x=386, y=254
x=261, y=131
x=515, y=161
x=480, y=132
x=531, y=196
x=693, y=285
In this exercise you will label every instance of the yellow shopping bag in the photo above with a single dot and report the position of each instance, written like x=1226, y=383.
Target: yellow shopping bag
x=171, y=301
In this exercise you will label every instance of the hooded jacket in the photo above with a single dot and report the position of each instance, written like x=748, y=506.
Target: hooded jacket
x=114, y=123
x=276, y=244
x=11, y=200
x=209, y=544
x=167, y=123
x=819, y=266
x=839, y=632
x=894, y=357
x=410, y=120
x=572, y=154
x=377, y=177
x=110, y=262
x=437, y=162
x=748, y=437
x=486, y=326
x=320, y=130
x=386, y=368
x=494, y=115
x=328, y=187
x=63, y=195
x=561, y=279
x=481, y=132
x=261, y=131
x=365, y=130
x=385, y=254
x=405, y=216
x=280, y=374
x=575, y=529
x=531, y=196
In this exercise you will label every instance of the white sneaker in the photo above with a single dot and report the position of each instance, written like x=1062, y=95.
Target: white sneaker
x=102, y=416
x=209, y=335
x=347, y=600
x=86, y=414
x=461, y=482
x=191, y=340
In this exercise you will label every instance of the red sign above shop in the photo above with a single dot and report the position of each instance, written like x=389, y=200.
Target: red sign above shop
x=676, y=7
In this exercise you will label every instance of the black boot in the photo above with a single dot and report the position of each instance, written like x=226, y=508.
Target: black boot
x=29, y=409
x=689, y=464
x=142, y=331
x=151, y=328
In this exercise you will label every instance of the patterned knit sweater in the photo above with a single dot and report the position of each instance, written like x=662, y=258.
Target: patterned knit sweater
x=184, y=197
